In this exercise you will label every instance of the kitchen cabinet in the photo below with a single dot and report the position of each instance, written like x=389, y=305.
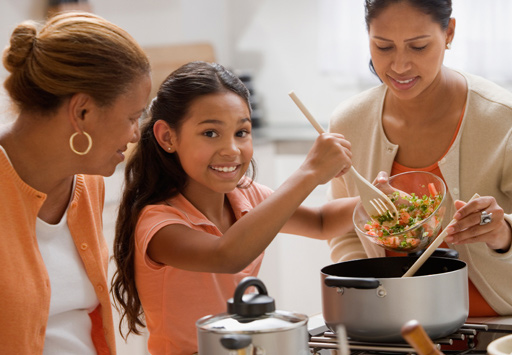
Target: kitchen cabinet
x=165, y=59
x=56, y=6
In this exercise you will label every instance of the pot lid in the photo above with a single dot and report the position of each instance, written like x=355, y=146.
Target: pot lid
x=253, y=312
x=270, y=322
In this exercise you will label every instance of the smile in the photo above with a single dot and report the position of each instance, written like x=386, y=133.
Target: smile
x=404, y=81
x=224, y=169
x=404, y=84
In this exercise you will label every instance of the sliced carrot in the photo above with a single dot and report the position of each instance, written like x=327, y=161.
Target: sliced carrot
x=432, y=189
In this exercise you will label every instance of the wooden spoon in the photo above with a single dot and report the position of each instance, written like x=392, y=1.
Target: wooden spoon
x=415, y=334
x=374, y=201
x=433, y=246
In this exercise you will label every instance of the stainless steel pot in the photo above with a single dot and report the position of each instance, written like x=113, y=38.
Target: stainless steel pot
x=371, y=299
x=253, y=326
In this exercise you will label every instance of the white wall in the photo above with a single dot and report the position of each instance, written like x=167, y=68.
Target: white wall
x=276, y=39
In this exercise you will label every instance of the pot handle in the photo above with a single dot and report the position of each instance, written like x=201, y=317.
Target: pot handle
x=352, y=282
x=236, y=341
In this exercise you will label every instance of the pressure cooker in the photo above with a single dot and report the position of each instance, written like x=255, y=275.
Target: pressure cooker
x=253, y=326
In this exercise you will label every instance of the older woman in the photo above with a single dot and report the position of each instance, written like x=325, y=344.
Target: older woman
x=80, y=84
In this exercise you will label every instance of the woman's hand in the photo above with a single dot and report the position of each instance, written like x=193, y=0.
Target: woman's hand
x=467, y=229
x=329, y=157
x=382, y=182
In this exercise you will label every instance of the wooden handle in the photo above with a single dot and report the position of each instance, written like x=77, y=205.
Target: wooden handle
x=416, y=336
x=433, y=246
x=320, y=129
x=306, y=113
x=343, y=346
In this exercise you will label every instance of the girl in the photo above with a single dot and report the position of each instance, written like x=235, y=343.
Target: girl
x=185, y=236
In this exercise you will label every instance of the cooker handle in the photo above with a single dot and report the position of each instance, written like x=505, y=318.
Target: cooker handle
x=236, y=341
x=252, y=304
x=352, y=282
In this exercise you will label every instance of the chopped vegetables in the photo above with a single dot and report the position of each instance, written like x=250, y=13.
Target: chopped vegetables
x=403, y=236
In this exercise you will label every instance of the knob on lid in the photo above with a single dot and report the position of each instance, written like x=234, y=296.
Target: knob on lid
x=251, y=305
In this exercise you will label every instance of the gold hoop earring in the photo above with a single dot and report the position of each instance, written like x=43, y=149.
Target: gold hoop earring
x=72, y=145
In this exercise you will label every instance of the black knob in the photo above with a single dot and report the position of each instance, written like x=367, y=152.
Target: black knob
x=251, y=305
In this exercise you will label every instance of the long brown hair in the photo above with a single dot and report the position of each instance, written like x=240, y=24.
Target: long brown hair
x=153, y=175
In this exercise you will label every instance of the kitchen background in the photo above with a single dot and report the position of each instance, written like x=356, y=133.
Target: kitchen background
x=317, y=48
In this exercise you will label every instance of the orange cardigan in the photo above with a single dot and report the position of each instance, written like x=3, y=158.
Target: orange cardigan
x=24, y=282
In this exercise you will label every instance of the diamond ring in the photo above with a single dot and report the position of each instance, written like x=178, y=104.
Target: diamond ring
x=485, y=218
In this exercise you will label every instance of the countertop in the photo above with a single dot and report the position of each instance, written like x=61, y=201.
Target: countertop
x=286, y=139
x=285, y=132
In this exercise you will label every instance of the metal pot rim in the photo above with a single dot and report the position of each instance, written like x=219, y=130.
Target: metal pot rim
x=203, y=322
x=463, y=265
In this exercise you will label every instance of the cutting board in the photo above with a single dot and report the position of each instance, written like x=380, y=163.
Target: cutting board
x=167, y=58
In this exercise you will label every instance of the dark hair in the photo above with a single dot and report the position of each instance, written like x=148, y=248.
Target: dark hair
x=153, y=175
x=439, y=10
x=73, y=52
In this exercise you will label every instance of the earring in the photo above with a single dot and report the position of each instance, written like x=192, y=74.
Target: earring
x=449, y=45
x=72, y=145
x=169, y=149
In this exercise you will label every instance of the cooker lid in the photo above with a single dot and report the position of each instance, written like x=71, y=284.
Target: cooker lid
x=253, y=312
x=270, y=322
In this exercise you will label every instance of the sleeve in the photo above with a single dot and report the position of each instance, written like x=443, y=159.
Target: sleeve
x=487, y=268
x=348, y=246
x=258, y=193
x=151, y=220
x=506, y=185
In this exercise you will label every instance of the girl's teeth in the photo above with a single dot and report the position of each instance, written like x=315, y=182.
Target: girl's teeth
x=225, y=169
x=404, y=81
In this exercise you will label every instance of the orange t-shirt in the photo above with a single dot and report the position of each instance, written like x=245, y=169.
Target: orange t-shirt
x=174, y=299
x=478, y=306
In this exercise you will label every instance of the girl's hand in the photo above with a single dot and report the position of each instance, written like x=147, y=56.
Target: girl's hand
x=497, y=234
x=329, y=157
x=382, y=182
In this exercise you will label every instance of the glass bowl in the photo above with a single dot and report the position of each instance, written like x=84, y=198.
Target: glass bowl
x=422, y=233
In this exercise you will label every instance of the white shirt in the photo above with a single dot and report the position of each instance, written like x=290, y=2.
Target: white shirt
x=72, y=294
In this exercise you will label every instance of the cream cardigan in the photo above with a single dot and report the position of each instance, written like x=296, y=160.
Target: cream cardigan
x=479, y=161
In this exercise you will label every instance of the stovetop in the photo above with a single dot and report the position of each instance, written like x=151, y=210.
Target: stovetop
x=472, y=338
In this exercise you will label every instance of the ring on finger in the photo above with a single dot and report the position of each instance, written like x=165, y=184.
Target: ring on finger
x=485, y=218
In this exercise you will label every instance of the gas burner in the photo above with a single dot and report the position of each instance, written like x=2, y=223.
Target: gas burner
x=471, y=338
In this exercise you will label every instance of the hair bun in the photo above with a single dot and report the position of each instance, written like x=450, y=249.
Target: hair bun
x=21, y=45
